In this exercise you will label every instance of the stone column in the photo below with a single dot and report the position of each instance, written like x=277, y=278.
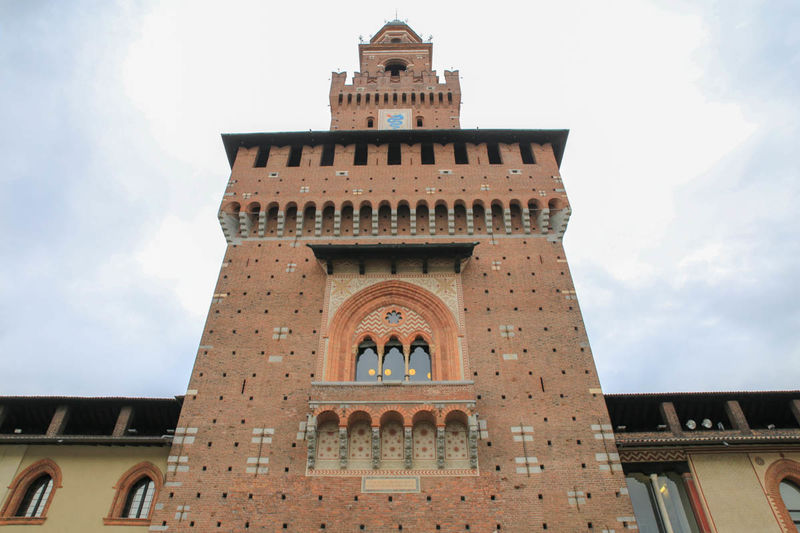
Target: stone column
x=507, y=220
x=311, y=437
x=451, y=221
x=488, y=220
x=244, y=224
x=407, y=357
x=470, y=222
x=439, y=447
x=342, y=448
x=544, y=219
x=318, y=223
x=376, y=448
x=262, y=223
x=375, y=222
x=473, y=441
x=298, y=229
x=356, y=222
x=432, y=221
x=408, y=447
x=413, y=221
x=394, y=221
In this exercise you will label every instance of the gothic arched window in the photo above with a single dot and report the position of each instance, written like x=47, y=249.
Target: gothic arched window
x=419, y=364
x=140, y=497
x=35, y=499
x=394, y=366
x=790, y=494
x=367, y=361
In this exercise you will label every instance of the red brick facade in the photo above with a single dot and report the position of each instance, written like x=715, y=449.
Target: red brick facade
x=510, y=434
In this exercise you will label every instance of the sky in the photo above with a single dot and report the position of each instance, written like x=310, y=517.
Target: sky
x=681, y=167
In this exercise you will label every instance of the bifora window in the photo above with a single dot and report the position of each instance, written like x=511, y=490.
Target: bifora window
x=140, y=497
x=35, y=499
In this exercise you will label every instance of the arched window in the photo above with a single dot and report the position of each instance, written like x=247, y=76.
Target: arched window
x=419, y=364
x=367, y=361
x=35, y=499
x=370, y=121
x=30, y=493
x=419, y=122
x=394, y=367
x=140, y=497
x=790, y=494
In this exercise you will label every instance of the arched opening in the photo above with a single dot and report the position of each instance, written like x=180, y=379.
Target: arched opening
x=140, y=498
x=533, y=213
x=478, y=218
x=419, y=361
x=346, y=224
x=272, y=221
x=365, y=219
x=253, y=212
x=392, y=439
x=424, y=443
x=498, y=225
x=460, y=218
x=394, y=365
x=516, y=217
x=327, y=219
x=370, y=121
x=790, y=494
x=35, y=499
x=403, y=219
x=359, y=440
x=455, y=442
x=309, y=219
x=395, y=67
x=290, y=222
x=419, y=122
x=384, y=218
x=367, y=361
x=327, y=439
x=422, y=217
x=441, y=218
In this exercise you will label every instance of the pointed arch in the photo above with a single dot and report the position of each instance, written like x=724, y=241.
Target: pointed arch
x=126, y=483
x=19, y=487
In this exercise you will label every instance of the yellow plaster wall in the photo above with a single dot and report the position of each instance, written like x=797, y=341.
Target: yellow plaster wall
x=733, y=493
x=88, y=473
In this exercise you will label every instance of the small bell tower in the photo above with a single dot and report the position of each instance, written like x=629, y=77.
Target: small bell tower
x=397, y=87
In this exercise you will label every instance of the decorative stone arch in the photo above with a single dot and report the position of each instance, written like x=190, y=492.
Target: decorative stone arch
x=424, y=413
x=781, y=470
x=123, y=488
x=445, y=354
x=20, y=484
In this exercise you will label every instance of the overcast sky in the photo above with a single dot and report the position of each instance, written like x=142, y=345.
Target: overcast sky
x=681, y=167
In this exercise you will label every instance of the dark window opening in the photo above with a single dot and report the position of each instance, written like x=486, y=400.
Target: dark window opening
x=441, y=98
x=360, y=157
x=35, y=499
x=403, y=99
x=393, y=361
x=140, y=497
x=395, y=68
x=419, y=362
x=367, y=361
x=460, y=153
x=394, y=156
x=427, y=154
x=422, y=98
x=413, y=98
x=385, y=98
x=419, y=122
x=262, y=157
x=494, y=154
x=349, y=98
x=328, y=152
x=366, y=100
x=370, y=122
x=394, y=98
x=449, y=98
x=358, y=99
x=295, y=154
x=527, y=154
x=341, y=98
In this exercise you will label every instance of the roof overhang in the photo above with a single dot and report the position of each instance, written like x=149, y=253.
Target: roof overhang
x=455, y=251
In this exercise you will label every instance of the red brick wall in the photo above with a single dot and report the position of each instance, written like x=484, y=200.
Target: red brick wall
x=547, y=387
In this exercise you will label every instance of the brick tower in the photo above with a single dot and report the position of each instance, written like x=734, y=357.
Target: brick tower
x=394, y=341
